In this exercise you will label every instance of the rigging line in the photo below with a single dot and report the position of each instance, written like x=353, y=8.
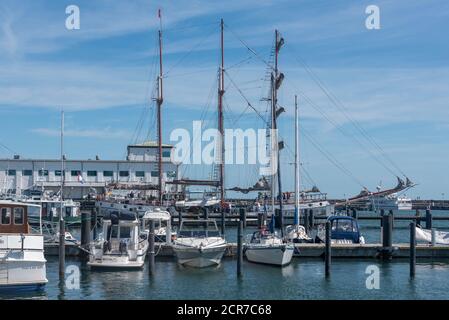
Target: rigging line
x=198, y=44
x=244, y=97
x=7, y=148
x=343, y=132
x=248, y=47
x=203, y=114
x=337, y=102
x=335, y=162
x=190, y=27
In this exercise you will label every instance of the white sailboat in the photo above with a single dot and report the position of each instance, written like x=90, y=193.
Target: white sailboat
x=120, y=244
x=199, y=244
x=22, y=261
x=266, y=246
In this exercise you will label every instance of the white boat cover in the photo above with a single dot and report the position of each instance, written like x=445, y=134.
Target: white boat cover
x=441, y=237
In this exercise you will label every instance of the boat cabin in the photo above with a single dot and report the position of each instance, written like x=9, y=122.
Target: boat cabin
x=345, y=229
x=14, y=217
x=162, y=225
x=121, y=232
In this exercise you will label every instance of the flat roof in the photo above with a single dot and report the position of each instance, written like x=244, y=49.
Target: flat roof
x=87, y=160
x=149, y=144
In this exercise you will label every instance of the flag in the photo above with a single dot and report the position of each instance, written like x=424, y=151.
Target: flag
x=80, y=178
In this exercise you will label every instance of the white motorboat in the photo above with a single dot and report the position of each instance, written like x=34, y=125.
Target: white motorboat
x=199, y=244
x=120, y=245
x=268, y=248
x=22, y=262
x=162, y=225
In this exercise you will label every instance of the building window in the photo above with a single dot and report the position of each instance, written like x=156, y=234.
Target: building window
x=108, y=174
x=43, y=173
x=155, y=174
x=27, y=172
x=18, y=216
x=140, y=174
x=74, y=173
x=58, y=173
x=11, y=172
x=91, y=173
x=166, y=154
x=171, y=174
x=6, y=216
x=124, y=173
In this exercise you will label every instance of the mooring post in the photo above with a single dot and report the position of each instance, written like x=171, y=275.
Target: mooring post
x=354, y=213
x=311, y=220
x=151, y=248
x=433, y=239
x=382, y=213
x=327, y=252
x=240, y=249
x=61, y=248
x=412, y=249
x=243, y=216
x=206, y=213
x=85, y=232
x=428, y=219
x=259, y=220
x=223, y=221
x=306, y=222
x=390, y=213
x=94, y=221
x=179, y=217
x=387, y=232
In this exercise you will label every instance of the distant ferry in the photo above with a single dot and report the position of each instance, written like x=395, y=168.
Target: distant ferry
x=390, y=202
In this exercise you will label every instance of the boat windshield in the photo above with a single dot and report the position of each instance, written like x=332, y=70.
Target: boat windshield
x=344, y=225
x=198, y=229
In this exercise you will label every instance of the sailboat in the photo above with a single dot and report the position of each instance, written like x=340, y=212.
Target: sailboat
x=267, y=246
x=296, y=232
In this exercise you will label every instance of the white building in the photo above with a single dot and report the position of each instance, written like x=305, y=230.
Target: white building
x=81, y=176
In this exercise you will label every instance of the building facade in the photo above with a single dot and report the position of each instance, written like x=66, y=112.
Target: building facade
x=81, y=177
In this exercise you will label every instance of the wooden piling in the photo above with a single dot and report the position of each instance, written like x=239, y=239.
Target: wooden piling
x=179, y=217
x=151, y=248
x=260, y=220
x=428, y=219
x=242, y=212
x=206, y=213
x=61, y=248
x=387, y=236
x=85, y=232
x=412, y=249
x=311, y=219
x=94, y=221
x=240, y=249
x=306, y=222
x=223, y=221
x=433, y=236
x=354, y=213
x=327, y=252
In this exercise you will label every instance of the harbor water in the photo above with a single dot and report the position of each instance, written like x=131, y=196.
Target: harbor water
x=302, y=279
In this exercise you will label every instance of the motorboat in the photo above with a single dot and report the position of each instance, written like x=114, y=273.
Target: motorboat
x=199, y=243
x=268, y=247
x=22, y=261
x=344, y=230
x=120, y=245
x=163, y=232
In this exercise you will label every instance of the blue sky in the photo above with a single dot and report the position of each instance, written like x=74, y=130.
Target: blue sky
x=394, y=82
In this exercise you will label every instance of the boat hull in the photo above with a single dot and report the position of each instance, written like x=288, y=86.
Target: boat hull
x=117, y=262
x=278, y=255
x=199, y=257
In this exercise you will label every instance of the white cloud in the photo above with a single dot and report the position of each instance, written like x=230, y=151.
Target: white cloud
x=104, y=133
